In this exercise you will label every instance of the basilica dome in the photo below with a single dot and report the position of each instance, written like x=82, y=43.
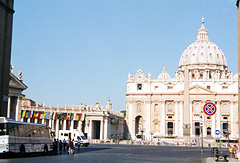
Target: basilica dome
x=203, y=53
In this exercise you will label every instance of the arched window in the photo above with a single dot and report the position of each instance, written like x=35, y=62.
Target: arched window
x=170, y=107
x=139, y=107
x=197, y=108
x=225, y=108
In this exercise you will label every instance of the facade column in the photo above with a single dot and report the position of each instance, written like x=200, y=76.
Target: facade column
x=57, y=128
x=101, y=130
x=148, y=120
x=72, y=124
x=64, y=124
x=163, y=131
x=105, y=128
x=191, y=118
x=18, y=109
x=90, y=130
x=181, y=118
x=50, y=123
x=232, y=120
x=130, y=121
x=79, y=126
x=176, y=118
x=35, y=120
x=9, y=107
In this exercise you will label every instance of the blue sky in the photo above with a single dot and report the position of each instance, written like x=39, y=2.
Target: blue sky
x=75, y=51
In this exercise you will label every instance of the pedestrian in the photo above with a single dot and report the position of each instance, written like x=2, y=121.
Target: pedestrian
x=68, y=142
x=60, y=146
x=230, y=149
x=55, y=147
x=234, y=151
x=64, y=144
x=78, y=143
x=71, y=148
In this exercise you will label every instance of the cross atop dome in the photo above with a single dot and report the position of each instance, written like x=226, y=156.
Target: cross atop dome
x=202, y=20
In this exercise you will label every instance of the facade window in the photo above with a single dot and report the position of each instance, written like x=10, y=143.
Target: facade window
x=197, y=128
x=156, y=87
x=170, y=128
x=225, y=108
x=197, y=108
x=208, y=87
x=225, y=117
x=139, y=86
x=170, y=87
x=209, y=131
x=139, y=107
x=224, y=87
x=170, y=107
x=225, y=128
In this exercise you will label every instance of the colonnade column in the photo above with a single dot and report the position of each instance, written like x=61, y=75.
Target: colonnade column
x=176, y=118
x=232, y=119
x=57, y=128
x=90, y=129
x=79, y=126
x=163, y=131
x=101, y=130
x=72, y=124
x=105, y=128
x=64, y=124
x=9, y=107
x=17, y=113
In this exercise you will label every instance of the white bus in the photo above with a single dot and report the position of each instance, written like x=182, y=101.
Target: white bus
x=23, y=137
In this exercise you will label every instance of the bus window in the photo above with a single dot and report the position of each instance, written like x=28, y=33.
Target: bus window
x=3, y=129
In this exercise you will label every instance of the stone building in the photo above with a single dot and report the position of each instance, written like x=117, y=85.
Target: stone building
x=16, y=87
x=165, y=106
x=94, y=121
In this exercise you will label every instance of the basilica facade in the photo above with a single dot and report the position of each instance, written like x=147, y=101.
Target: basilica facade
x=165, y=106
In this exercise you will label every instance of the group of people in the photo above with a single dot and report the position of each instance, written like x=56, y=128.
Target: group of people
x=233, y=150
x=63, y=145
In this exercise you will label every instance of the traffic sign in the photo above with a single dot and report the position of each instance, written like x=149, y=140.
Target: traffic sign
x=209, y=108
x=217, y=132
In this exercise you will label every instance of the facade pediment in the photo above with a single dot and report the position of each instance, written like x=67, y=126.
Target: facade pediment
x=15, y=83
x=197, y=89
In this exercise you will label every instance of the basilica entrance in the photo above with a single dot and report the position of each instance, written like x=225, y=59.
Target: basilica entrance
x=139, y=125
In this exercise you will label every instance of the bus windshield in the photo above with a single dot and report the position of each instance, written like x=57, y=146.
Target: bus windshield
x=3, y=129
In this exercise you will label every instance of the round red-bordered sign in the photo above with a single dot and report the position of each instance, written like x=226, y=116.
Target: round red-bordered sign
x=209, y=108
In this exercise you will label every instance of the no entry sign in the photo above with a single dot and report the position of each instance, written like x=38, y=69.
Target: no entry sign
x=209, y=108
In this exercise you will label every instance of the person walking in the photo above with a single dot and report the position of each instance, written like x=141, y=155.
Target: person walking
x=71, y=148
x=64, y=144
x=60, y=147
x=78, y=143
x=235, y=151
x=230, y=149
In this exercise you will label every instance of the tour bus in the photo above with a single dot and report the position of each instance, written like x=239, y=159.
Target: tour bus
x=23, y=137
x=74, y=134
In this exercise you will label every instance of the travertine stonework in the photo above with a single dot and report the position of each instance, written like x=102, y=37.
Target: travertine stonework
x=157, y=107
